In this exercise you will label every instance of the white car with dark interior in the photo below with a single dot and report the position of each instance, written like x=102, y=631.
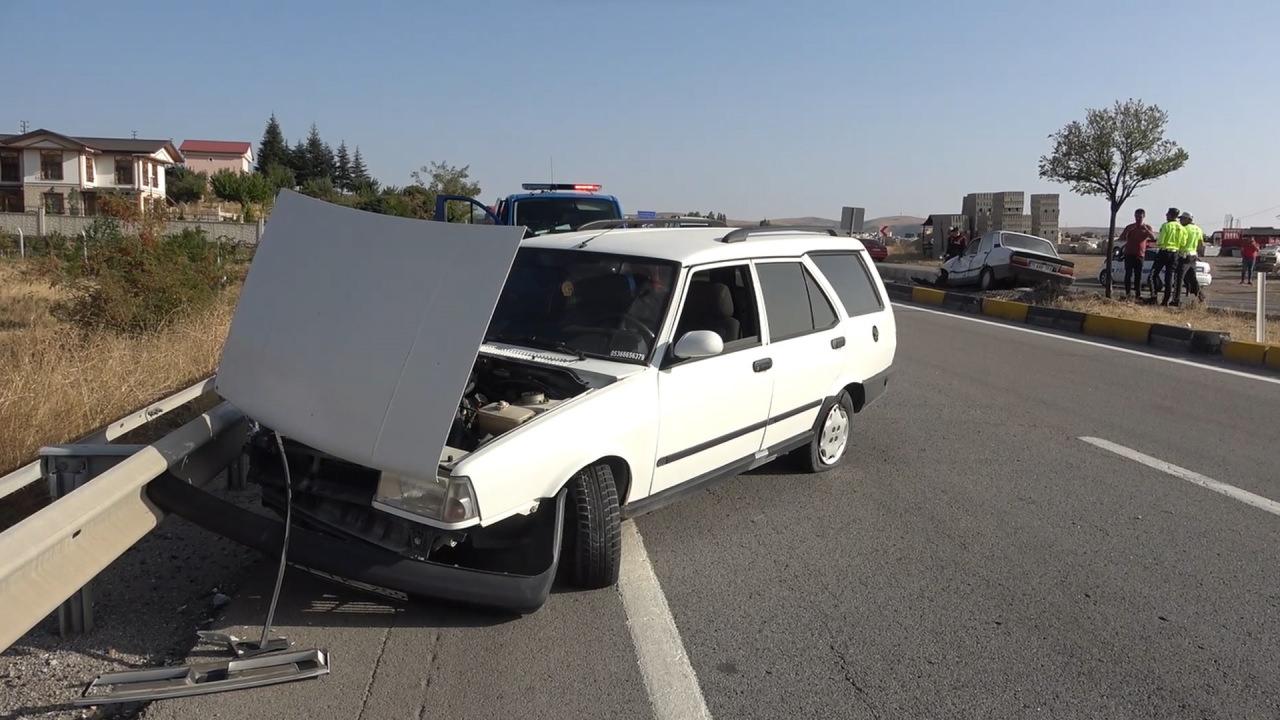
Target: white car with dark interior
x=453, y=412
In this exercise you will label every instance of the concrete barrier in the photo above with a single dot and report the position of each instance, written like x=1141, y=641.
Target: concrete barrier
x=927, y=296
x=1246, y=352
x=1170, y=337
x=1133, y=331
x=1005, y=309
x=1167, y=337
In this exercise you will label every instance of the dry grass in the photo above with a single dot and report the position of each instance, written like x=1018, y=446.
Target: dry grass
x=57, y=384
x=1197, y=316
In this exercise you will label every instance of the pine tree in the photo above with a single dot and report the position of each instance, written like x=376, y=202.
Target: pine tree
x=342, y=174
x=272, y=150
x=318, y=158
x=359, y=173
x=298, y=162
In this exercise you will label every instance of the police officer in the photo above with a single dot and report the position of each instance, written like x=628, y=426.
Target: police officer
x=1168, y=247
x=1192, y=237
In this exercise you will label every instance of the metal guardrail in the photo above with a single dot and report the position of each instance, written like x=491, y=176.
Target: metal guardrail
x=30, y=472
x=50, y=555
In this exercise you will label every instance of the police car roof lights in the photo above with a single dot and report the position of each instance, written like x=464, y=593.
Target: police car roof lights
x=581, y=187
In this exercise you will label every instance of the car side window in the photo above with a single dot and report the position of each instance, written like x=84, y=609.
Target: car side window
x=793, y=303
x=849, y=277
x=987, y=242
x=722, y=300
x=972, y=248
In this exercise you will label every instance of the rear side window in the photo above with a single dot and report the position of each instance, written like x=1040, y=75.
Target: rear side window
x=793, y=302
x=848, y=275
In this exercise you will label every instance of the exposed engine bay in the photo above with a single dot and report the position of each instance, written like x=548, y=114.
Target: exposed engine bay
x=502, y=395
x=335, y=496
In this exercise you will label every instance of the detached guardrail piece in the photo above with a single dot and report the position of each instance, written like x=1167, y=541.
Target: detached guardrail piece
x=187, y=680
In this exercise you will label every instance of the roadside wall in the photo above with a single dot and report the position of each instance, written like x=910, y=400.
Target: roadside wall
x=36, y=224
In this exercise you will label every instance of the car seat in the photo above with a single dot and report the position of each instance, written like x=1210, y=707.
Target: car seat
x=710, y=307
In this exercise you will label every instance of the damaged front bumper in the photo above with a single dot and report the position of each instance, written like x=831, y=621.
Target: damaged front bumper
x=368, y=563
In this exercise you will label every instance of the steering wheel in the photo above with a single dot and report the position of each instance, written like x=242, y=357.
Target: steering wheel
x=644, y=329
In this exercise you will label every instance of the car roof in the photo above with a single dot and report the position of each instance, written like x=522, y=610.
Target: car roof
x=695, y=246
x=558, y=194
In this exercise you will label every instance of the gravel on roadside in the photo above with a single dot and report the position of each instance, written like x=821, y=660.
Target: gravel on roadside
x=148, y=606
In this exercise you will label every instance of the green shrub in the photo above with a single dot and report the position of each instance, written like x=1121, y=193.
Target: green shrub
x=132, y=286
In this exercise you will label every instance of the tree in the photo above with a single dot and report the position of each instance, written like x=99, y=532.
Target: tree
x=1113, y=153
x=342, y=173
x=440, y=178
x=317, y=161
x=185, y=186
x=272, y=150
x=721, y=217
x=359, y=173
x=279, y=176
x=765, y=222
x=298, y=162
x=226, y=185
x=322, y=188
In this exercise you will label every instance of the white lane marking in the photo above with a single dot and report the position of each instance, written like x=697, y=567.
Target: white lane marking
x=1190, y=476
x=1177, y=361
x=668, y=677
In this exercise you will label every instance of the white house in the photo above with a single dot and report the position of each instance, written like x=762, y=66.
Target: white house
x=66, y=174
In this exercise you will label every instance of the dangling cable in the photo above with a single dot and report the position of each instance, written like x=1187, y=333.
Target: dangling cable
x=284, y=548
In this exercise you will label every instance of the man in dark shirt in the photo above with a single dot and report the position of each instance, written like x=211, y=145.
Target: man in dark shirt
x=956, y=243
x=1136, y=235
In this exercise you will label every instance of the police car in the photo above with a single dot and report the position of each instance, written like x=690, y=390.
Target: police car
x=543, y=209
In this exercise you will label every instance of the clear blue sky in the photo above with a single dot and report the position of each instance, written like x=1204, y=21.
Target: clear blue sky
x=748, y=108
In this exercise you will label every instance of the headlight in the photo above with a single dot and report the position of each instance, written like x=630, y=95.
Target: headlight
x=441, y=501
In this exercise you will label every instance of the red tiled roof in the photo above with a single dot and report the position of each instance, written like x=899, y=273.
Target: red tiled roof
x=229, y=147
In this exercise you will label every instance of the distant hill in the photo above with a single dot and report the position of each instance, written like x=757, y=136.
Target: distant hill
x=898, y=224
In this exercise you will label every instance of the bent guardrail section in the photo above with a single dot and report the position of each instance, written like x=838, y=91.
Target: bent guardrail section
x=50, y=555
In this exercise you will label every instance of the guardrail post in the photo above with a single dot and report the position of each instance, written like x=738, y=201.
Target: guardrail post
x=1260, y=319
x=22, y=244
x=67, y=467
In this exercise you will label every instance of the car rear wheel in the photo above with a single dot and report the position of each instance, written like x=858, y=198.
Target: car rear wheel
x=1103, y=275
x=986, y=279
x=594, y=531
x=830, y=444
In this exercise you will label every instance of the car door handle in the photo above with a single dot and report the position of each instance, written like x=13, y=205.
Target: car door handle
x=837, y=343
x=762, y=364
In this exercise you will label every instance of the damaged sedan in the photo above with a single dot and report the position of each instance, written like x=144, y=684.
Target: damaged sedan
x=450, y=412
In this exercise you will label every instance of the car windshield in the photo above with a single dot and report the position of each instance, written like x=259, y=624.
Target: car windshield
x=1016, y=241
x=543, y=215
x=584, y=303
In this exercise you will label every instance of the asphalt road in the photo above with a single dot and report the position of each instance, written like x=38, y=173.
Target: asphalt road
x=975, y=559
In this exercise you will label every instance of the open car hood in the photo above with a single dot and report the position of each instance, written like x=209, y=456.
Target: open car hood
x=356, y=332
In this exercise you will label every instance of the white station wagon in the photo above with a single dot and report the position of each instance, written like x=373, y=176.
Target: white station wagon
x=455, y=403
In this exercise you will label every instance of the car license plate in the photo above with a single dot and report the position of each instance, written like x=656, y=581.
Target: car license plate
x=1044, y=267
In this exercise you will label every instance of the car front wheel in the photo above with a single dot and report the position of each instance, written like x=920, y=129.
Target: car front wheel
x=593, y=531
x=830, y=444
x=986, y=280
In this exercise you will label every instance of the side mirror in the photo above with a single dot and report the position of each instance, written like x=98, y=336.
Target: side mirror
x=698, y=343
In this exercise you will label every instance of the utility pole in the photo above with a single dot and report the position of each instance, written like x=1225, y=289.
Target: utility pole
x=135, y=134
x=24, y=125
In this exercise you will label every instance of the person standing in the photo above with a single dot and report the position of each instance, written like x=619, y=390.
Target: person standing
x=1248, y=258
x=956, y=243
x=1136, y=235
x=1168, y=245
x=1192, y=237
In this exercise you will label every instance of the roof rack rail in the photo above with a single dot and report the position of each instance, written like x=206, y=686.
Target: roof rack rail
x=743, y=233
x=651, y=222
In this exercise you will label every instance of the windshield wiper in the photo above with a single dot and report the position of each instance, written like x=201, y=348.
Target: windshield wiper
x=542, y=344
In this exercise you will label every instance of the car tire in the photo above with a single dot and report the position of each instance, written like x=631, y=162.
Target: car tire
x=832, y=432
x=986, y=280
x=594, y=528
x=1103, y=274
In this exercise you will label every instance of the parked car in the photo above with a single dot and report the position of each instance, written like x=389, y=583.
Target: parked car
x=461, y=412
x=1204, y=273
x=876, y=249
x=1007, y=258
x=1268, y=258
